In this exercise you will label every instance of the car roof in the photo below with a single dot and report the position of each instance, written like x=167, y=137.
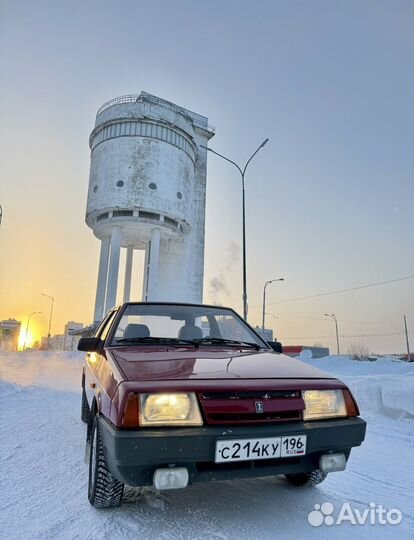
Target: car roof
x=191, y=304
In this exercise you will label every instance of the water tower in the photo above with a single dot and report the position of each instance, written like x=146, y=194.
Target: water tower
x=147, y=190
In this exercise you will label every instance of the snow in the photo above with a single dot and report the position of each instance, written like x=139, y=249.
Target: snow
x=56, y=370
x=383, y=387
x=44, y=478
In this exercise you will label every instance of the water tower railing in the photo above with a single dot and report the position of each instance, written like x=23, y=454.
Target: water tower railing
x=196, y=119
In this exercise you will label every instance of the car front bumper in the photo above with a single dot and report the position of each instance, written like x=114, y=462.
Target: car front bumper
x=134, y=455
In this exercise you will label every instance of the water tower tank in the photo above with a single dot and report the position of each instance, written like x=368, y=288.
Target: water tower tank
x=147, y=190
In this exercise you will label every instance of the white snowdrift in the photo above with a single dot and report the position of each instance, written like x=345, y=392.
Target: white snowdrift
x=384, y=387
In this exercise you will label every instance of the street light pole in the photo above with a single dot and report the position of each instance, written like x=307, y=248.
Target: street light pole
x=242, y=173
x=50, y=317
x=264, y=301
x=406, y=339
x=27, y=326
x=332, y=316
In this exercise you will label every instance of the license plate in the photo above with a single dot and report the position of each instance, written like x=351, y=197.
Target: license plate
x=252, y=449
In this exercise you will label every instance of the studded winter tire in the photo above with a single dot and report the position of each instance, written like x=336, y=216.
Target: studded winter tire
x=307, y=479
x=104, y=491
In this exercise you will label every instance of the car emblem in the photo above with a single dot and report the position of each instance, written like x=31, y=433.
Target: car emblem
x=259, y=406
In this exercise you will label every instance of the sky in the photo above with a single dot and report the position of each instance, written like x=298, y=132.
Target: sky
x=329, y=199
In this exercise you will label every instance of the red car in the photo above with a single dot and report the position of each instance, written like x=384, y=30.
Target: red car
x=179, y=393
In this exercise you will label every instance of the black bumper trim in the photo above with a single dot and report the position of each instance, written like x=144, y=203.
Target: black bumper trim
x=133, y=455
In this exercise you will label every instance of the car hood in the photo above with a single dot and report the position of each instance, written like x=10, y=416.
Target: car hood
x=139, y=364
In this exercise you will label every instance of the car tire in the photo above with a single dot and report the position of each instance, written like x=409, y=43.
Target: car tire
x=85, y=409
x=307, y=479
x=104, y=491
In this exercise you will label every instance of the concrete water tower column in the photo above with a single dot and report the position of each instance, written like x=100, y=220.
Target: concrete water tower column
x=128, y=273
x=102, y=278
x=113, y=269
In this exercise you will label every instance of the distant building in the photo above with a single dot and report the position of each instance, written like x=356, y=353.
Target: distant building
x=70, y=341
x=9, y=334
x=43, y=344
x=295, y=350
x=231, y=329
x=267, y=335
x=71, y=326
x=56, y=342
x=65, y=341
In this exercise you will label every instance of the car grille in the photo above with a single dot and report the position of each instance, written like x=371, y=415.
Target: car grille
x=252, y=407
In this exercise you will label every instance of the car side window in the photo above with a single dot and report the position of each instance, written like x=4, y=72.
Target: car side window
x=100, y=326
x=107, y=326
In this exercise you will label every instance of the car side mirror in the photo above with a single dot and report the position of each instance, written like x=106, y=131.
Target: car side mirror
x=276, y=346
x=89, y=344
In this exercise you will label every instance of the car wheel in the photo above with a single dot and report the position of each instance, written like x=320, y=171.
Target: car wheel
x=307, y=479
x=85, y=409
x=104, y=491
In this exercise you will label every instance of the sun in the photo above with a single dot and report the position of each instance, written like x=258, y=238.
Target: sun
x=26, y=340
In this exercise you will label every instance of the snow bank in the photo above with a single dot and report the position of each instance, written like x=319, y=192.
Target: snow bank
x=7, y=389
x=345, y=365
x=384, y=387
x=51, y=369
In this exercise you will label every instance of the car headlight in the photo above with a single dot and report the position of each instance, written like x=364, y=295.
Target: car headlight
x=323, y=404
x=179, y=409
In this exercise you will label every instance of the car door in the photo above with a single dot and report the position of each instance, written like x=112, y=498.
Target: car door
x=95, y=362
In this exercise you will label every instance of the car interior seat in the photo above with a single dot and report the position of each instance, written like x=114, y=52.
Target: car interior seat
x=190, y=331
x=136, y=331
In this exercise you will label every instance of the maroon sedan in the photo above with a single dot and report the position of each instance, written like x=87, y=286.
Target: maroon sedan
x=179, y=393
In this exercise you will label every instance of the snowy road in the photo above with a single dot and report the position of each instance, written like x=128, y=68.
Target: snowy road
x=44, y=478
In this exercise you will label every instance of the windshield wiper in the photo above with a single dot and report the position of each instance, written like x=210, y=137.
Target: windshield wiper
x=195, y=342
x=153, y=339
x=223, y=341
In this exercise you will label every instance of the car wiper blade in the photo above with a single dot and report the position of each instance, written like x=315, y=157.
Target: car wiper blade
x=154, y=339
x=195, y=342
x=223, y=341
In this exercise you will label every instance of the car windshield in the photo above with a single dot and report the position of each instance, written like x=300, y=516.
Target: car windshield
x=182, y=324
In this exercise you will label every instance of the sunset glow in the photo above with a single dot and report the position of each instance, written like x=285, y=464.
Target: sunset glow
x=328, y=199
x=26, y=340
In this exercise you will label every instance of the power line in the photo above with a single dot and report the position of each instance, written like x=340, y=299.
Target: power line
x=368, y=322
x=282, y=317
x=344, y=336
x=338, y=291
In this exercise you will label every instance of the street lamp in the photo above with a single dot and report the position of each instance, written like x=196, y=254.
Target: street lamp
x=332, y=316
x=242, y=172
x=264, y=301
x=51, y=298
x=27, y=326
